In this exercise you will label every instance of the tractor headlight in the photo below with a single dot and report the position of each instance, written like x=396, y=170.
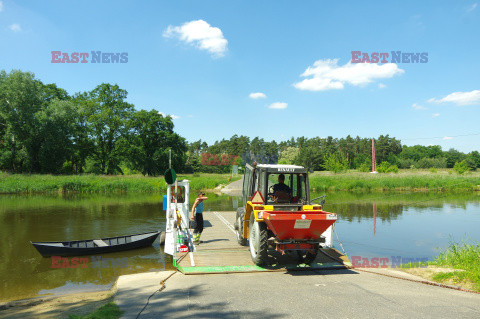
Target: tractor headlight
x=260, y=215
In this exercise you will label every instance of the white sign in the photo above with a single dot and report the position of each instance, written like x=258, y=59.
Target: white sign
x=331, y=217
x=302, y=223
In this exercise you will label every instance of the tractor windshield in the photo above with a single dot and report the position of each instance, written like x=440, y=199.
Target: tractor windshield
x=287, y=188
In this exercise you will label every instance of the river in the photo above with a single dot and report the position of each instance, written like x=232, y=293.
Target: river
x=369, y=225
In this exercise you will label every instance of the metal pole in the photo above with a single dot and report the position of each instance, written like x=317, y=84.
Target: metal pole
x=170, y=158
x=374, y=168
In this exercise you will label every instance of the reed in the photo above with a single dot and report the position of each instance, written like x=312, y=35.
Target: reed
x=465, y=259
x=23, y=183
x=406, y=181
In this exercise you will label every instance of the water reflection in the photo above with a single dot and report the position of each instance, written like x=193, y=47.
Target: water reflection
x=371, y=225
x=407, y=225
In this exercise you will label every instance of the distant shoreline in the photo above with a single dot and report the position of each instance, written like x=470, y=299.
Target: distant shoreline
x=352, y=181
x=47, y=184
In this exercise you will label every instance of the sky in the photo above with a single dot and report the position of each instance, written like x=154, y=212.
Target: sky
x=273, y=69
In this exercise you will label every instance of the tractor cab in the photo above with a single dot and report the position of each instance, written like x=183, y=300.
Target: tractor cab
x=278, y=184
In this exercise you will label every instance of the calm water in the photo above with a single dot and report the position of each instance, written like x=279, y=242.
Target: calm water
x=369, y=225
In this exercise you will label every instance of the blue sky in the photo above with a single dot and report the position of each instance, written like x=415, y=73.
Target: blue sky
x=201, y=60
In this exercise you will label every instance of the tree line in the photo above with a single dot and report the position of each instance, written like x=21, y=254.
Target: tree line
x=43, y=129
x=331, y=153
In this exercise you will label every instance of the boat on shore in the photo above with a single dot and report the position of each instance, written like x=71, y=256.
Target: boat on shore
x=95, y=246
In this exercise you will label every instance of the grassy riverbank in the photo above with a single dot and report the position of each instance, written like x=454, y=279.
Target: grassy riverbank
x=405, y=180
x=22, y=183
x=458, y=265
x=464, y=259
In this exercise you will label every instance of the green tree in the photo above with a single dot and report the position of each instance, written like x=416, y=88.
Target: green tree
x=334, y=163
x=20, y=100
x=311, y=157
x=386, y=146
x=288, y=155
x=473, y=158
x=107, y=115
x=56, y=126
x=151, y=136
x=453, y=156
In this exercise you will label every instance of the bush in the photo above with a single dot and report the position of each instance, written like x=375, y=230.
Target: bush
x=432, y=162
x=364, y=168
x=433, y=170
x=385, y=167
x=460, y=167
x=406, y=163
x=334, y=165
x=382, y=167
x=392, y=169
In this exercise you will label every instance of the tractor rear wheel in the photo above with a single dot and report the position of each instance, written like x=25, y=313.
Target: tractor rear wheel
x=258, y=239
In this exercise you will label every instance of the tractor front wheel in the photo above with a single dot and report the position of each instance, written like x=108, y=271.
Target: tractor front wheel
x=258, y=239
x=239, y=231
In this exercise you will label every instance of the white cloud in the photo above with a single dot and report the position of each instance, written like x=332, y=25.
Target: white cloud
x=447, y=137
x=1, y=6
x=436, y=115
x=328, y=75
x=173, y=116
x=278, y=105
x=15, y=27
x=200, y=34
x=257, y=95
x=470, y=9
x=381, y=86
x=459, y=98
x=418, y=107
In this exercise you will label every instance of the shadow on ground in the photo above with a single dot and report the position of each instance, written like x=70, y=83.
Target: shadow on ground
x=186, y=302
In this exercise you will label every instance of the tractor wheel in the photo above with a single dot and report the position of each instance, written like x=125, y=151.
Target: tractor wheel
x=258, y=239
x=239, y=231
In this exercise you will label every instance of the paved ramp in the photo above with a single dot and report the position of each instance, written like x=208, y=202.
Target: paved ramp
x=220, y=253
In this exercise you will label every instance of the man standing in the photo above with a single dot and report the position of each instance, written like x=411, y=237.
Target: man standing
x=197, y=215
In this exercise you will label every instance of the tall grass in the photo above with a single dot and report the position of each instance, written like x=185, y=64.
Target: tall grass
x=462, y=256
x=22, y=183
x=360, y=182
